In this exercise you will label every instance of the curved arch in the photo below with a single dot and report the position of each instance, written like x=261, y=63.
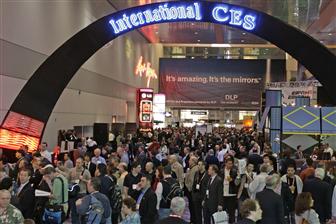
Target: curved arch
x=55, y=73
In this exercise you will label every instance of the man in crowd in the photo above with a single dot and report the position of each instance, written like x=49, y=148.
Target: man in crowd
x=146, y=202
x=189, y=182
x=230, y=203
x=44, y=151
x=258, y=183
x=25, y=196
x=131, y=181
x=213, y=200
x=250, y=212
x=97, y=159
x=78, y=175
x=177, y=169
x=270, y=202
x=83, y=204
x=8, y=212
x=321, y=193
x=309, y=171
x=201, y=180
x=177, y=207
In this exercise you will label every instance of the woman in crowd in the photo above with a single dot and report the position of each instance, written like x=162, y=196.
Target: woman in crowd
x=129, y=211
x=304, y=214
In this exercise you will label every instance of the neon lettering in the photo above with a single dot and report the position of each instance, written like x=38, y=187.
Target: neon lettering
x=157, y=14
x=249, y=22
x=134, y=19
x=235, y=17
x=216, y=13
x=145, y=69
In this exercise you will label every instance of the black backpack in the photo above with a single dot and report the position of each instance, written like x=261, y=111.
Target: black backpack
x=115, y=196
x=175, y=190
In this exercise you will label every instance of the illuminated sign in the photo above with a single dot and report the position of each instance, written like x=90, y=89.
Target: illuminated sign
x=233, y=16
x=19, y=130
x=145, y=109
x=177, y=11
x=146, y=70
x=156, y=14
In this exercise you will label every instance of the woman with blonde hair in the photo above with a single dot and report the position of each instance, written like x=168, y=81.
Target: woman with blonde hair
x=304, y=213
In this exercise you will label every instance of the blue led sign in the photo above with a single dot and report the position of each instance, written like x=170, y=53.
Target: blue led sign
x=156, y=14
x=175, y=11
x=234, y=16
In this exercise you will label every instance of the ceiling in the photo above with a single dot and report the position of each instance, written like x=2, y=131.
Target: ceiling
x=316, y=17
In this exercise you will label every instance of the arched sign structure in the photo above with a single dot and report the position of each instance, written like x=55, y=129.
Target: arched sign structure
x=27, y=117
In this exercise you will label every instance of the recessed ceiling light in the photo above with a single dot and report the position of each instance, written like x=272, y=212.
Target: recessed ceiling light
x=196, y=33
x=157, y=32
x=198, y=40
x=242, y=41
x=329, y=34
x=266, y=49
x=192, y=24
x=243, y=33
x=192, y=57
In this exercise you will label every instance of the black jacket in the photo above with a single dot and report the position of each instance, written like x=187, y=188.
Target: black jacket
x=321, y=192
x=26, y=201
x=215, y=197
x=199, y=194
x=246, y=221
x=272, y=206
x=233, y=187
x=147, y=208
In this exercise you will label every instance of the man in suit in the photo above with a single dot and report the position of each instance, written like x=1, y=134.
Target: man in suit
x=321, y=192
x=213, y=200
x=89, y=165
x=201, y=180
x=25, y=197
x=270, y=202
x=146, y=202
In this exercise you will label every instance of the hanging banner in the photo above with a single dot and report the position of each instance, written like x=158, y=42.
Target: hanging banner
x=212, y=83
x=291, y=90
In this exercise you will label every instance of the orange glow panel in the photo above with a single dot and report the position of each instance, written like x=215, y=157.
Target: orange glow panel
x=14, y=140
x=23, y=124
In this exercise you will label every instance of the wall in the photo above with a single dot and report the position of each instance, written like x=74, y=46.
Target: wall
x=32, y=30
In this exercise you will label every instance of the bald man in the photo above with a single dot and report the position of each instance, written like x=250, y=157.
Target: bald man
x=9, y=213
x=97, y=159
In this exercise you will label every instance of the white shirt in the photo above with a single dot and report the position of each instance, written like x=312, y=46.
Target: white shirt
x=258, y=184
x=158, y=192
x=330, y=150
x=226, y=185
x=220, y=155
x=46, y=154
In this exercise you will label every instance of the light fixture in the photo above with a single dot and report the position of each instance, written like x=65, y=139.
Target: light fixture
x=196, y=33
x=198, y=40
x=242, y=41
x=244, y=33
x=329, y=34
x=220, y=45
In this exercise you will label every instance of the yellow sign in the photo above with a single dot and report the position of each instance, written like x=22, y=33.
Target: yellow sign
x=144, y=69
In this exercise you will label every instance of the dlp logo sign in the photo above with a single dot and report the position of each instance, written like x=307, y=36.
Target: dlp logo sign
x=175, y=11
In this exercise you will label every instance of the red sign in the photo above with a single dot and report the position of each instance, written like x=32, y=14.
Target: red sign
x=145, y=109
x=19, y=130
x=144, y=69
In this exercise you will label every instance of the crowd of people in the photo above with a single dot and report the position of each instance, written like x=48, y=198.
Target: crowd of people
x=173, y=175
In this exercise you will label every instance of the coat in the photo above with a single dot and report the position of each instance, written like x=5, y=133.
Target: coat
x=215, y=196
x=272, y=206
x=147, y=208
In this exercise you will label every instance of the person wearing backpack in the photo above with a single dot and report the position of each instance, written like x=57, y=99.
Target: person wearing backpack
x=166, y=190
x=94, y=208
